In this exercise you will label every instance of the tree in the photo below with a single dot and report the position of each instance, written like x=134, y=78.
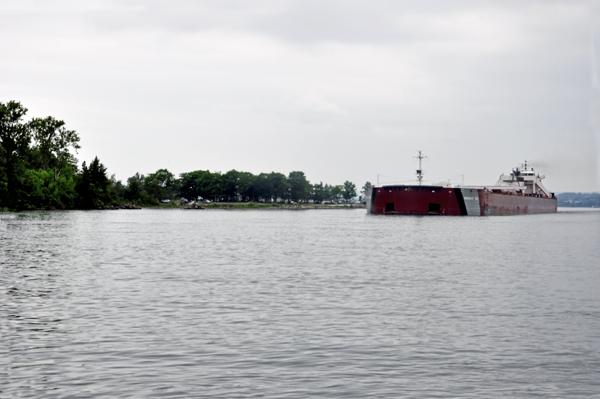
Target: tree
x=327, y=194
x=299, y=186
x=349, y=190
x=366, y=188
x=264, y=187
x=201, y=183
x=94, y=187
x=229, y=182
x=117, y=187
x=318, y=192
x=15, y=138
x=247, y=187
x=336, y=192
x=211, y=185
x=159, y=185
x=281, y=187
x=134, y=190
x=189, y=185
x=53, y=142
x=45, y=190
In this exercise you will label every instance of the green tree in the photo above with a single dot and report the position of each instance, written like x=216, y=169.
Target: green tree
x=281, y=187
x=327, y=195
x=336, y=192
x=15, y=139
x=349, y=190
x=45, y=190
x=134, y=191
x=117, y=187
x=299, y=187
x=265, y=187
x=230, y=182
x=367, y=186
x=201, y=183
x=318, y=192
x=160, y=185
x=53, y=144
x=365, y=189
x=211, y=186
x=190, y=185
x=247, y=187
x=93, y=187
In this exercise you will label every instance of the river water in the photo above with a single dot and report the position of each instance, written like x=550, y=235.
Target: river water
x=294, y=304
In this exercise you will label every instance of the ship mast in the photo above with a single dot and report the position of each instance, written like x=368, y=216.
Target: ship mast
x=420, y=170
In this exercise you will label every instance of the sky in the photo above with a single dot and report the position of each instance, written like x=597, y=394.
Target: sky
x=341, y=90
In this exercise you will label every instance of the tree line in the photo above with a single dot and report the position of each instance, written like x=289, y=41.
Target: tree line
x=233, y=186
x=39, y=170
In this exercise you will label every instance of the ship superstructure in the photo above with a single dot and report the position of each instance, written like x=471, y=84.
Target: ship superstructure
x=524, y=179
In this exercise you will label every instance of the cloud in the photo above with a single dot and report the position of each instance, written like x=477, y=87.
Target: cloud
x=258, y=85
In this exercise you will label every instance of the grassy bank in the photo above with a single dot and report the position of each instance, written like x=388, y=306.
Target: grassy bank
x=260, y=205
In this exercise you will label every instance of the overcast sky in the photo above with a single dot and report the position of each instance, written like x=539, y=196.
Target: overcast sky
x=342, y=90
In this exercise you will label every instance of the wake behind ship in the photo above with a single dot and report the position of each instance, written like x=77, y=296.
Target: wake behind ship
x=520, y=192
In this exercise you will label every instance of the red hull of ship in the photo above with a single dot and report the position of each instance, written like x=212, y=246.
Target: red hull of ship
x=414, y=200
x=437, y=200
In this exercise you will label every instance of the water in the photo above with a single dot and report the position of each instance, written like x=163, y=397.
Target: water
x=293, y=304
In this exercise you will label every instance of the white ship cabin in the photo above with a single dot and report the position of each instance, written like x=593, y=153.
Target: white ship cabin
x=525, y=180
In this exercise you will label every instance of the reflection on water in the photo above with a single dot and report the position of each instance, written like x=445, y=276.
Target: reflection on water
x=335, y=303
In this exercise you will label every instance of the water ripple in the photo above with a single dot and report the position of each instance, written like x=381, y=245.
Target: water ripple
x=245, y=304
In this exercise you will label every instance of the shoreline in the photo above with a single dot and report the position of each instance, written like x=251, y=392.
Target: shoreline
x=213, y=205
x=260, y=205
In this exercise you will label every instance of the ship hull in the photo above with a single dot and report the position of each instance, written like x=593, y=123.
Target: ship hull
x=502, y=204
x=438, y=200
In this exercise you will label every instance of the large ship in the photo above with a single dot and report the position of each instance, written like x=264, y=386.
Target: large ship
x=520, y=192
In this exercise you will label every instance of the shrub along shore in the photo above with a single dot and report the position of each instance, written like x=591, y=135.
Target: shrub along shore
x=38, y=170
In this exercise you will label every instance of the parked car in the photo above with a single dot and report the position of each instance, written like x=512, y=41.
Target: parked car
x=166, y=201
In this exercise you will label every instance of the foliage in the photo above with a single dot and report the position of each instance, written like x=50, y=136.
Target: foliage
x=37, y=166
x=200, y=183
x=281, y=186
x=133, y=192
x=365, y=188
x=229, y=185
x=319, y=192
x=38, y=169
x=349, y=190
x=53, y=142
x=247, y=188
x=271, y=186
x=336, y=193
x=300, y=188
x=117, y=187
x=159, y=185
x=94, y=187
x=15, y=139
x=45, y=190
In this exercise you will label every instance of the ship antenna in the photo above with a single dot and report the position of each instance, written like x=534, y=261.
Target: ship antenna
x=420, y=170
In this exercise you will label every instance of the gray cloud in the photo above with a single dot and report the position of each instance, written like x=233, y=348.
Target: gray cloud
x=341, y=90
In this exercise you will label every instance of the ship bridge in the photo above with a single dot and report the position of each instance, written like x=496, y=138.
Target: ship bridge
x=524, y=178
